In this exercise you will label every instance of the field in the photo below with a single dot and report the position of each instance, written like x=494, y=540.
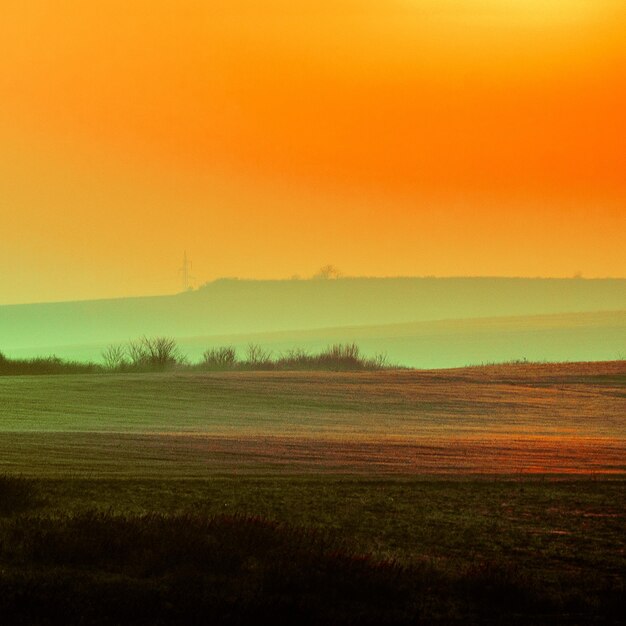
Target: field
x=512, y=419
x=483, y=495
x=314, y=550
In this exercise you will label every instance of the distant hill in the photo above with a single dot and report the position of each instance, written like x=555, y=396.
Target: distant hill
x=422, y=322
x=244, y=306
x=455, y=343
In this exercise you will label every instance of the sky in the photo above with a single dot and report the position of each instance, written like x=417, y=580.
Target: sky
x=266, y=139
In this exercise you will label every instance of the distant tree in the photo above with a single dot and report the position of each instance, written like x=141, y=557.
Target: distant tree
x=327, y=272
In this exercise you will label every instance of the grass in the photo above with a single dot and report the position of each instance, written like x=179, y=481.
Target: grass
x=317, y=551
x=190, y=568
x=18, y=494
x=512, y=419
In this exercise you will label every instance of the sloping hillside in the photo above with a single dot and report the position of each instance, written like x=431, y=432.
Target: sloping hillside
x=228, y=307
x=456, y=343
x=561, y=418
x=432, y=344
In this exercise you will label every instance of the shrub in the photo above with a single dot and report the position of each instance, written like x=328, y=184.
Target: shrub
x=222, y=358
x=340, y=352
x=149, y=354
x=336, y=357
x=114, y=357
x=380, y=361
x=296, y=358
x=153, y=353
x=161, y=351
x=44, y=365
x=257, y=357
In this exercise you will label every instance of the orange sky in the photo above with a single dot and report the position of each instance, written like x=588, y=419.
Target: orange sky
x=412, y=137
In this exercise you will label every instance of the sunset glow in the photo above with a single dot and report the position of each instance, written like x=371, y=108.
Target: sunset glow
x=415, y=137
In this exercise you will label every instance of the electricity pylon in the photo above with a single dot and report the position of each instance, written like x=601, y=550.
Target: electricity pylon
x=184, y=271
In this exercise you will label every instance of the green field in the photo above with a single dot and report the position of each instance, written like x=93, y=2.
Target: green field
x=485, y=495
x=566, y=418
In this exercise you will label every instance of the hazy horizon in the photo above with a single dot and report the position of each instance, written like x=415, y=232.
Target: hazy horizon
x=312, y=277
x=423, y=322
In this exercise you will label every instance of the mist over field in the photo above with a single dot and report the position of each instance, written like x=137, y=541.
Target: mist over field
x=418, y=322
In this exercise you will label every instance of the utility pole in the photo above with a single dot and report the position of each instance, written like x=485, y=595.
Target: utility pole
x=184, y=270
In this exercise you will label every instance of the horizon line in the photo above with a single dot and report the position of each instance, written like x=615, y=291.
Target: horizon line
x=316, y=279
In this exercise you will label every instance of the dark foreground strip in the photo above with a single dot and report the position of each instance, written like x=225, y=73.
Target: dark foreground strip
x=98, y=568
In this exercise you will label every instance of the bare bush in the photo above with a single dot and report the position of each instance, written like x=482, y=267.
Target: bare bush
x=342, y=353
x=295, y=358
x=380, y=361
x=256, y=356
x=162, y=351
x=224, y=357
x=295, y=355
x=114, y=357
x=153, y=352
x=336, y=357
x=136, y=353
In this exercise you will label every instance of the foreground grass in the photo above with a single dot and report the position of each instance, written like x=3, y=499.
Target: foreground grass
x=313, y=551
x=102, y=568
